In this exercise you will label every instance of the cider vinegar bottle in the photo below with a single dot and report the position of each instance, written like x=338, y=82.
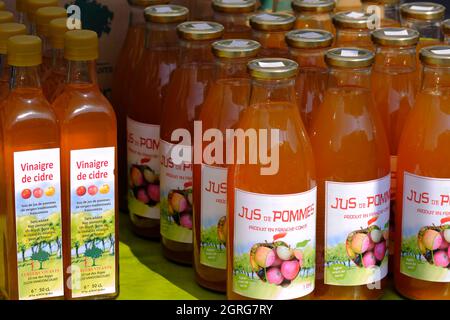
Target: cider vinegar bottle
x=185, y=96
x=32, y=7
x=6, y=16
x=234, y=15
x=124, y=71
x=7, y=30
x=352, y=161
x=269, y=29
x=308, y=47
x=423, y=238
x=158, y=62
x=314, y=14
x=31, y=220
x=394, y=88
x=387, y=10
x=89, y=166
x=228, y=95
x=271, y=204
x=353, y=29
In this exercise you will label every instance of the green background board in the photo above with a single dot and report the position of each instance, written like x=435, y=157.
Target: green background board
x=146, y=275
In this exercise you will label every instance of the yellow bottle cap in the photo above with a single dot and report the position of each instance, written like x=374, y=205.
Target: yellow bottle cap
x=8, y=30
x=2, y=5
x=272, y=22
x=272, y=68
x=45, y=15
x=309, y=39
x=425, y=11
x=352, y=20
x=21, y=5
x=6, y=16
x=24, y=51
x=349, y=58
x=57, y=31
x=146, y=3
x=317, y=6
x=34, y=5
x=81, y=45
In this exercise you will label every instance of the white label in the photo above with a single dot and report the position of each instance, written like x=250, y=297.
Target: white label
x=274, y=245
x=234, y=1
x=176, y=195
x=443, y=52
x=425, y=228
x=238, y=43
x=349, y=53
x=143, y=169
x=213, y=216
x=37, y=195
x=269, y=17
x=92, y=214
x=356, y=232
x=163, y=9
x=355, y=15
x=396, y=33
x=310, y=35
x=201, y=26
x=271, y=64
x=421, y=8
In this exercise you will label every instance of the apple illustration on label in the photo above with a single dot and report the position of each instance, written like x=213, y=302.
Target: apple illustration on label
x=104, y=189
x=434, y=243
x=38, y=193
x=26, y=194
x=81, y=191
x=92, y=190
x=50, y=191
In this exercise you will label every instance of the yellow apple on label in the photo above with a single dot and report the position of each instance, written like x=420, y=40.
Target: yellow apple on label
x=104, y=189
x=50, y=191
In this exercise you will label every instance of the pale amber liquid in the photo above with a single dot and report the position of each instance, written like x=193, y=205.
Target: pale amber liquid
x=87, y=121
x=28, y=124
x=273, y=44
x=424, y=150
x=354, y=38
x=349, y=146
x=348, y=5
x=320, y=21
x=53, y=83
x=225, y=100
x=296, y=166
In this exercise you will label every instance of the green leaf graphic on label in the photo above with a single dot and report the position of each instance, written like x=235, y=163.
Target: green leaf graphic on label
x=386, y=225
x=302, y=244
x=93, y=253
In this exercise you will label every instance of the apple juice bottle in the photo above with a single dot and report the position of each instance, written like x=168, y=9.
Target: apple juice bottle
x=7, y=30
x=269, y=29
x=32, y=7
x=31, y=216
x=352, y=162
x=126, y=64
x=185, y=95
x=422, y=243
x=308, y=47
x=394, y=86
x=314, y=14
x=152, y=76
x=234, y=15
x=54, y=80
x=271, y=202
x=6, y=16
x=89, y=166
x=348, y=5
x=446, y=31
x=353, y=29
x=388, y=11
x=228, y=95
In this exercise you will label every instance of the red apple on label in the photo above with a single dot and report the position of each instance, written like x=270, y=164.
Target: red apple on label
x=81, y=191
x=38, y=192
x=92, y=190
x=26, y=193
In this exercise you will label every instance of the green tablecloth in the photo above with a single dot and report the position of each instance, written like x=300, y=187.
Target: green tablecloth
x=146, y=275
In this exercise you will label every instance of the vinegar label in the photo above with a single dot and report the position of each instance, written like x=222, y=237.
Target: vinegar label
x=143, y=169
x=92, y=211
x=425, y=248
x=176, y=195
x=274, y=245
x=213, y=217
x=356, y=232
x=37, y=193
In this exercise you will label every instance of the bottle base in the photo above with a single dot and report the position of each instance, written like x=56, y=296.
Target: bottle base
x=216, y=286
x=177, y=252
x=145, y=228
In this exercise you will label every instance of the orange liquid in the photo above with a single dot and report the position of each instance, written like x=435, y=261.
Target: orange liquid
x=185, y=96
x=320, y=21
x=226, y=98
x=311, y=82
x=349, y=146
x=236, y=25
x=296, y=165
x=354, y=38
x=28, y=124
x=273, y=44
x=348, y=5
x=53, y=84
x=425, y=143
x=4, y=82
x=87, y=121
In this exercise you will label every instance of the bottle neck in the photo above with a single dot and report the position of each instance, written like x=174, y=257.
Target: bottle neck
x=272, y=91
x=158, y=35
x=435, y=79
x=25, y=77
x=427, y=29
x=196, y=52
x=136, y=16
x=349, y=77
x=395, y=58
x=4, y=72
x=58, y=60
x=82, y=72
x=231, y=68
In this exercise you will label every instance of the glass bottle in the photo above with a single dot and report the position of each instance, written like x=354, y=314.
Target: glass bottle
x=348, y=5
x=314, y=14
x=353, y=29
x=446, y=31
x=388, y=11
x=422, y=241
x=158, y=62
x=234, y=15
x=308, y=47
x=32, y=7
x=184, y=98
x=271, y=202
x=228, y=95
x=21, y=9
x=269, y=29
x=88, y=168
x=352, y=163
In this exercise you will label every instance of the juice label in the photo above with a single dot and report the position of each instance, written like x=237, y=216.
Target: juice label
x=92, y=209
x=143, y=169
x=274, y=245
x=37, y=193
x=213, y=217
x=425, y=246
x=356, y=232
x=176, y=195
